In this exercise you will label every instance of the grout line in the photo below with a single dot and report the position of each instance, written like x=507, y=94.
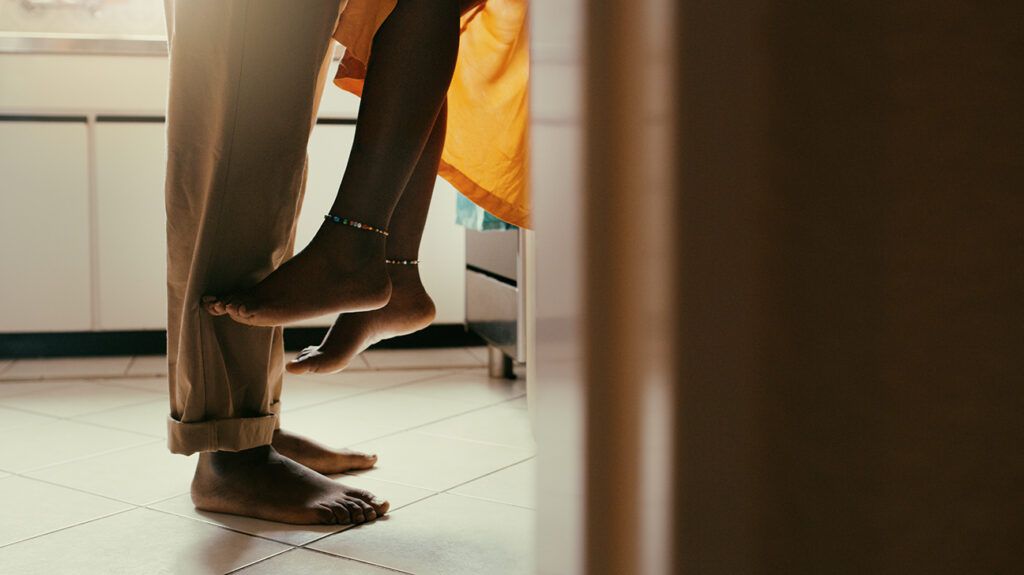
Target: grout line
x=88, y=377
x=454, y=415
x=149, y=440
x=246, y=566
x=225, y=527
x=364, y=562
x=72, y=417
x=363, y=392
x=349, y=527
x=487, y=475
x=80, y=523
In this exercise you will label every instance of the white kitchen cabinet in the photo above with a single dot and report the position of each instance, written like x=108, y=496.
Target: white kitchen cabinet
x=44, y=227
x=131, y=226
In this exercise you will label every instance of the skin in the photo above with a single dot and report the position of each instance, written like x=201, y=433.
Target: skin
x=409, y=309
x=262, y=483
x=342, y=269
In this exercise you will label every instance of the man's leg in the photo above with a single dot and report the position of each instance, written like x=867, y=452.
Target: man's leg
x=242, y=99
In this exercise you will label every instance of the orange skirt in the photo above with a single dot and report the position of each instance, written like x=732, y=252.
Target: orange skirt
x=486, y=154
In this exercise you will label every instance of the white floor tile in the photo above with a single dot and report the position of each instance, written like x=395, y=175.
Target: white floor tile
x=375, y=380
x=362, y=417
x=421, y=358
x=138, y=541
x=154, y=384
x=497, y=424
x=32, y=508
x=312, y=563
x=11, y=418
x=434, y=462
x=397, y=495
x=138, y=475
x=298, y=392
x=67, y=367
x=444, y=534
x=148, y=418
x=80, y=398
x=518, y=403
x=470, y=386
x=144, y=365
x=479, y=352
x=35, y=446
x=11, y=388
x=282, y=532
x=515, y=485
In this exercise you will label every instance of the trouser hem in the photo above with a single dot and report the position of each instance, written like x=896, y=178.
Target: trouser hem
x=232, y=434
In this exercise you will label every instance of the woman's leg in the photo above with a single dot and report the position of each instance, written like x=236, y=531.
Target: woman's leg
x=343, y=268
x=410, y=308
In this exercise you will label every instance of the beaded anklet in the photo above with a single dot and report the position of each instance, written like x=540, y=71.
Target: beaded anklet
x=360, y=225
x=402, y=262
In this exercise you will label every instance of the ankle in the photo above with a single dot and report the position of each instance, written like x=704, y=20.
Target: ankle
x=220, y=460
x=405, y=277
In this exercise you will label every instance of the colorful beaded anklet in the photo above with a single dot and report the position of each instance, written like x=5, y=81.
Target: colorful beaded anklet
x=360, y=225
x=402, y=262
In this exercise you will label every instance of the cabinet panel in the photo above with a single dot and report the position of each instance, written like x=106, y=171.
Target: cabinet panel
x=131, y=226
x=44, y=227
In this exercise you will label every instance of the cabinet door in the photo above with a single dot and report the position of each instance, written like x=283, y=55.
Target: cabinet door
x=443, y=250
x=131, y=229
x=44, y=227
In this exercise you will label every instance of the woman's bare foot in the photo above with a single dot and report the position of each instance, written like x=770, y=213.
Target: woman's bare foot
x=409, y=310
x=318, y=456
x=341, y=270
x=264, y=484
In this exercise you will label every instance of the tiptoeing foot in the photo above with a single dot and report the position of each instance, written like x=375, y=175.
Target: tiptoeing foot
x=264, y=484
x=341, y=270
x=410, y=309
x=318, y=456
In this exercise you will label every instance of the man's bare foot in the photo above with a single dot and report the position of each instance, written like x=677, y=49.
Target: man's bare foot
x=264, y=484
x=341, y=270
x=318, y=456
x=409, y=310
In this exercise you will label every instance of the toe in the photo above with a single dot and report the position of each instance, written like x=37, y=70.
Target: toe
x=368, y=511
x=326, y=515
x=355, y=511
x=379, y=504
x=341, y=513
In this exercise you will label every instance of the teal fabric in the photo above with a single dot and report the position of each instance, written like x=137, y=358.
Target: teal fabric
x=473, y=217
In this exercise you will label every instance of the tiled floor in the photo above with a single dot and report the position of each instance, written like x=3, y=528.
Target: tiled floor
x=87, y=485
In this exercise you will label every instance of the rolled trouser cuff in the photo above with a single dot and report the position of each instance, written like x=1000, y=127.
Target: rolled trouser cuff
x=233, y=434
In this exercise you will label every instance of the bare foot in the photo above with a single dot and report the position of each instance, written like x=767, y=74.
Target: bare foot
x=341, y=270
x=409, y=310
x=318, y=456
x=264, y=484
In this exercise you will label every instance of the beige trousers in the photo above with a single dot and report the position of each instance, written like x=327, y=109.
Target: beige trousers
x=245, y=81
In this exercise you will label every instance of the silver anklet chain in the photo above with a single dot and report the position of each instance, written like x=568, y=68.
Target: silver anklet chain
x=402, y=262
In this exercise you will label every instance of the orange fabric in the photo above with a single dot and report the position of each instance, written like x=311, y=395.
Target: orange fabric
x=486, y=153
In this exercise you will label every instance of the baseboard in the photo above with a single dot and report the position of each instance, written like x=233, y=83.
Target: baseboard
x=154, y=342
